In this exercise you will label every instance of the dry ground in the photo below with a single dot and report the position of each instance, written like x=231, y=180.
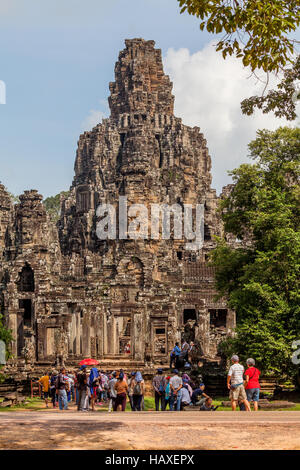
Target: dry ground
x=150, y=430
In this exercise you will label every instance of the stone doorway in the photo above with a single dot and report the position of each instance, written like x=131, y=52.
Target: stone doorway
x=24, y=323
x=190, y=324
x=123, y=332
x=189, y=314
x=159, y=339
x=26, y=279
x=218, y=318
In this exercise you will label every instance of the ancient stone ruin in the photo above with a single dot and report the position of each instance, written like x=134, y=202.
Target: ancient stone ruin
x=65, y=293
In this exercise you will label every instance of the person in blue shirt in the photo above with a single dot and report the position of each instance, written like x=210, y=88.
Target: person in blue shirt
x=174, y=355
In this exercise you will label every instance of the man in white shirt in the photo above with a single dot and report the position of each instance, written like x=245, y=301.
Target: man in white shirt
x=235, y=383
x=185, y=397
x=111, y=391
x=175, y=388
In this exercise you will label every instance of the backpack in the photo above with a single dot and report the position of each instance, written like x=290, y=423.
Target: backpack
x=137, y=389
x=81, y=379
x=57, y=382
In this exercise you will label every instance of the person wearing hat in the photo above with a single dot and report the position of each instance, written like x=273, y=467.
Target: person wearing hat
x=175, y=388
x=235, y=383
x=159, y=385
x=81, y=386
x=54, y=397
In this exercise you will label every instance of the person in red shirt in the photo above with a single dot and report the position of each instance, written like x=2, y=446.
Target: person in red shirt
x=252, y=386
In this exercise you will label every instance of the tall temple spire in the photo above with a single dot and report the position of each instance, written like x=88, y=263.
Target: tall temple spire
x=140, y=83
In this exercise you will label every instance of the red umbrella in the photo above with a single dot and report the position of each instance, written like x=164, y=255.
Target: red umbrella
x=89, y=362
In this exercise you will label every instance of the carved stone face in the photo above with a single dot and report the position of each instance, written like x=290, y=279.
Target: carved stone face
x=26, y=232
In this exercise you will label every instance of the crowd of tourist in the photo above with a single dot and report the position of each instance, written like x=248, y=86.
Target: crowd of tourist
x=173, y=391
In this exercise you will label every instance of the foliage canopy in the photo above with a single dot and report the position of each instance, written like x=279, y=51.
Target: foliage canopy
x=52, y=205
x=256, y=31
x=261, y=278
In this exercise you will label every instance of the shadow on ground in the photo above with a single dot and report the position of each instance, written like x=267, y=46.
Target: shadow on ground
x=60, y=435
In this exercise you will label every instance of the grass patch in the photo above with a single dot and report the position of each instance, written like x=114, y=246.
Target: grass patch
x=32, y=404
x=37, y=404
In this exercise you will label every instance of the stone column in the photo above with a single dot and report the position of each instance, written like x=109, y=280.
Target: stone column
x=230, y=320
x=78, y=333
x=86, y=334
x=202, y=335
x=99, y=331
x=137, y=338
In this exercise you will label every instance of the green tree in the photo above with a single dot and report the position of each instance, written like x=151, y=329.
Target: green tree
x=15, y=199
x=52, y=205
x=261, y=278
x=256, y=31
x=283, y=100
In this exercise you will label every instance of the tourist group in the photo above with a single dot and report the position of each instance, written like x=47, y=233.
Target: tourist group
x=175, y=392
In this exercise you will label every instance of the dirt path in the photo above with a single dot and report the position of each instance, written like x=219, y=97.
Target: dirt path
x=150, y=430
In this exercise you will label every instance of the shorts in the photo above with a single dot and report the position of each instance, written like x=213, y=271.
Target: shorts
x=46, y=395
x=252, y=394
x=238, y=393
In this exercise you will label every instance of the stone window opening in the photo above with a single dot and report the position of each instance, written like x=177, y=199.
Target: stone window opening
x=26, y=305
x=218, y=318
x=179, y=255
x=161, y=156
x=122, y=139
x=26, y=280
x=119, y=155
x=159, y=339
x=207, y=235
x=192, y=257
x=125, y=338
x=84, y=201
x=160, y=331
x=189, y=314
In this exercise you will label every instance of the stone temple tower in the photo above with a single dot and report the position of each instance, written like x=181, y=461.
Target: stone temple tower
x=124, y=300
x=145, y=153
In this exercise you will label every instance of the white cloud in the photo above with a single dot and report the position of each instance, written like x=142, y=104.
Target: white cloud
x=95, y=117
x=208, y=91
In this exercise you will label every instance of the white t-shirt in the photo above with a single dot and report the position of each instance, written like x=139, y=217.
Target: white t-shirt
x=175, y=381
x=185, y=397
x=236, y=372
x=111, y=388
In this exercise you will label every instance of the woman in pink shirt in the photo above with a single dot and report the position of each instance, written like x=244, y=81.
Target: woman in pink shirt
x=252, y=386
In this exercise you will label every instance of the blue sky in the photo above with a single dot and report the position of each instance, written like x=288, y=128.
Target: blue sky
x=57, y=58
